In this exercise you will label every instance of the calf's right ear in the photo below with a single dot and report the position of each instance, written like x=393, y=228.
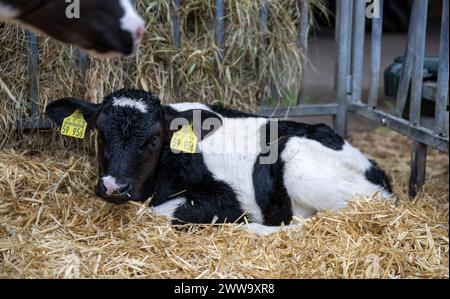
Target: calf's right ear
x=58, y=110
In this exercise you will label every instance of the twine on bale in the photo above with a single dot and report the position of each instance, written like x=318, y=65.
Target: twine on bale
x=52, y=225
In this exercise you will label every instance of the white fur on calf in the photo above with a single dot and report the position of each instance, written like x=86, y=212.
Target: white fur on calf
x=131, y=103
x=131, y=21
x=7, y=11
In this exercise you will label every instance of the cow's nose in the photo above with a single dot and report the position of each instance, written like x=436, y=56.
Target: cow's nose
x=112, y=186
x=139, y=33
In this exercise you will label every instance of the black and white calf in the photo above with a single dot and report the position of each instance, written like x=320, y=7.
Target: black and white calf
x=102, y=27
x=314, y=168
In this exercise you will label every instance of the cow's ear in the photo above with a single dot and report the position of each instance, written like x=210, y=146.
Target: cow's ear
x=62, y=108
x=204, y=122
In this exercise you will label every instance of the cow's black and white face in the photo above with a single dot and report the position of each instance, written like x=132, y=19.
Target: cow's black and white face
x=102, y=27
x=132, y=128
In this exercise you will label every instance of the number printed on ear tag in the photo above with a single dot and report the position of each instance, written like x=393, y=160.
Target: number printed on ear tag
x=74, y=125
x=184, y=140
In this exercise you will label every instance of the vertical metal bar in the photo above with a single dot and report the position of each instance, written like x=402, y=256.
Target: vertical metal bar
x=82, y=62
x=419, y=55
x=418, y=166
x=408, y=59
x=303, y=41
x=176, y=37
x=176, y=33
x=443, y=75
x=33, y=71
x=359, y=22
x=375, y=59
x=342, y=65
x=336, y=41
x=264, y=19
x=220, y=27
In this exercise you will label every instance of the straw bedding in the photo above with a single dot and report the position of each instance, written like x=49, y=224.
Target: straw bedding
x=51, y=225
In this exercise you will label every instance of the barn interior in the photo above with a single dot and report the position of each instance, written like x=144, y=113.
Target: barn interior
x=53, y=226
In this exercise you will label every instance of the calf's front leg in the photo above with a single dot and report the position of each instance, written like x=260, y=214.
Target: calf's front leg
x=204, y=203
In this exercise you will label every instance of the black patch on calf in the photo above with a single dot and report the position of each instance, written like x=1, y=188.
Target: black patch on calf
x=377, y=176
x=270, y=192
x=207, y=200
x=320, y=133
x=206, y=197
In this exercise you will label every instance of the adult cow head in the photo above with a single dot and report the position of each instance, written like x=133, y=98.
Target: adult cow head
x=102, y=27
x=133, y=128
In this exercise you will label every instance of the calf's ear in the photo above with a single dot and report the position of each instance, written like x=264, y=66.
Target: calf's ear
x=204, y=122
x=62, y=108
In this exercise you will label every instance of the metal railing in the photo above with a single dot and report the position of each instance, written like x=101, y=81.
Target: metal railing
x=350, y=36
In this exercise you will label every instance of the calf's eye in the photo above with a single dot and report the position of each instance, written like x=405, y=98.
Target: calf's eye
x=153, y=140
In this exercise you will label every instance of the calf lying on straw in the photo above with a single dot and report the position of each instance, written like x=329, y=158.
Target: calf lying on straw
x=102, y=27
x=201, y=163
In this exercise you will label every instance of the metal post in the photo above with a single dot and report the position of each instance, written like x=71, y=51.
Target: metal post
x=342, y=65
x=443, y=76
x=359, y=22
x=82, y=62
x=419, y=55
x=303, y=41
x=418, y=166
x=264, y=19
x=176, y=33
x=176, y=36
x=220, y=27
x=375, y=59
x=33, y=71
x=408, y=59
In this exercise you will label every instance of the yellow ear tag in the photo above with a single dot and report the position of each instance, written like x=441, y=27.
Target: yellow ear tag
x=184, y=140
x=74, y=125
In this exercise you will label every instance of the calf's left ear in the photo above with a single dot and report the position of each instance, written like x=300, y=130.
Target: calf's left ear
x=58, y=110
x=204, y=122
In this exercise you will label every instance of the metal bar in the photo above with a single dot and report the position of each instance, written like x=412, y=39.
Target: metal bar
x=359, y=21
x=418, y=167
x=342, y=65
x=33, y=71
x=303, y=43
x=82, y=62
x=408, y=59
x=443, y=75
x=301, y=110
x=402, y=126
x=176, y=37
x=220, y=27
x=375, y=59
x=32, y=123
x=176, y=31
x=264, y=19
x=419, y=55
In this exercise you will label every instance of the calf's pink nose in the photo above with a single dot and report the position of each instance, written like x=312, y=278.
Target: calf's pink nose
x=110, y=184
x=139, y=33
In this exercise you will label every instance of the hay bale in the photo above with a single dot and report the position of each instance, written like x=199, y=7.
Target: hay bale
x=52, y=225
x=195, y=69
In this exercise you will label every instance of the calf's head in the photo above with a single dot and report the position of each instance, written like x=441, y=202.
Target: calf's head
x=133, y=127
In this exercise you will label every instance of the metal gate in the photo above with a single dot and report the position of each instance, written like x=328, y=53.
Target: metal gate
x=350, y=33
